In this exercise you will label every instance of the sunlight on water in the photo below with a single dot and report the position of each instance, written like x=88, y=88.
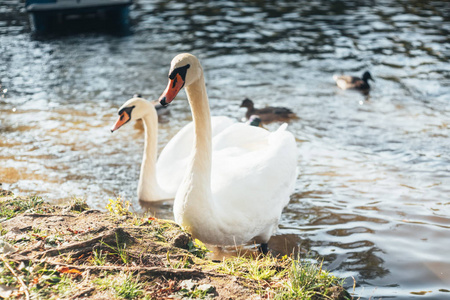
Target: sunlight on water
x=372, y=193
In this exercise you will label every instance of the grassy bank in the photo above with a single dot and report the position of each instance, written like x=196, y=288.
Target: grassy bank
x=74, y=252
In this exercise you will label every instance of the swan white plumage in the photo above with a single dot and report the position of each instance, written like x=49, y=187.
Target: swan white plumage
x=236, y=193
x=159, y=179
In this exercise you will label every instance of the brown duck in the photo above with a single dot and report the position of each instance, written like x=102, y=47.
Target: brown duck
x=268, y=114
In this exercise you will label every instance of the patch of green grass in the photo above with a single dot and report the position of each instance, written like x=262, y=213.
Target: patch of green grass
x=36, y=230
x=3, y=231
x=159, y=233
x=98, y=258
x=307, y=280
x=194, y=294
x=6, y=278
x=184, y=263
x=289, y=278
x=103, y=282
x=190, y=289
x=13, y=207
x=129, y=288
x=197, y=248
x=125, y=286
x=42, y=283
x=62, y=286
x=51, y=284
x=78, y=205
x=54, y=240
x=119, y=250
x=4, y=193
x=163, y=230
x=260, y=268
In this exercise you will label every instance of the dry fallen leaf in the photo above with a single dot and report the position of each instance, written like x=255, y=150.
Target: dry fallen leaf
x=68, y=271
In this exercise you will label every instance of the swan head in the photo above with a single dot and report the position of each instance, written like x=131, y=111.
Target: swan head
x=185, y=69
x=133, y=109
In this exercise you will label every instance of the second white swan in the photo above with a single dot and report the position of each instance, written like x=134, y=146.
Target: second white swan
x=160, y=178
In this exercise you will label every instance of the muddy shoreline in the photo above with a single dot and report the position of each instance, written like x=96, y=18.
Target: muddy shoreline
x=74, y=252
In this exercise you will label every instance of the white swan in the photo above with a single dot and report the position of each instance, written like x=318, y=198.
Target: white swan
x=159, y=180
x=235, y=194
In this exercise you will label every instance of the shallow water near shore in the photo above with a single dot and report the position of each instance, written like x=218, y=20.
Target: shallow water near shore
x=372, y=196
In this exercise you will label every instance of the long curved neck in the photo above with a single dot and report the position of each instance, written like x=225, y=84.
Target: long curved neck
x=198, y=100
x=195, y=193
x=148, y=187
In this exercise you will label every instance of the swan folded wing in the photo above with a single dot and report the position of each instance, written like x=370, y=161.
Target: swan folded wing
x=253, y=183
x=176, y=153
x=240, y=137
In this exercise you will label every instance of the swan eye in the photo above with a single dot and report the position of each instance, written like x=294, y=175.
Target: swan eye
x=126, y=110
x=180, y=71
x=175, y=80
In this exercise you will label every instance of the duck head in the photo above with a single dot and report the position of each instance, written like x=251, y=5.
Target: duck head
x=247, y=103
x=184, y=70
x=255, y=120
x=366, y=76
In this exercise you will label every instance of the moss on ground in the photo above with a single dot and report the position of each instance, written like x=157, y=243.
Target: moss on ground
x=73, y=252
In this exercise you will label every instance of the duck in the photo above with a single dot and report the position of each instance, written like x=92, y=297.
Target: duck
x=235, y=194
x=346, y=82
x=159, y=178
x=254, y=120
x=268, y=114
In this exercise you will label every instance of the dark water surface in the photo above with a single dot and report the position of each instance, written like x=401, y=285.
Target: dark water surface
x=373, y=193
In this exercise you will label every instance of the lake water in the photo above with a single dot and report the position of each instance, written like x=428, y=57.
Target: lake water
x=373, y=194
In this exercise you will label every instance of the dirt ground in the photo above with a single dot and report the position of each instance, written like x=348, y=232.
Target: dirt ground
x=75, y=252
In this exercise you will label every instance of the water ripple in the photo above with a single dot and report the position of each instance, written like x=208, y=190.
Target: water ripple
x=372, y=194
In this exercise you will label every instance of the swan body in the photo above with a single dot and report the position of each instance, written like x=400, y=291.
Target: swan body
x=268, y=114
x=159, y=178
x=346, y=82
x=236, y=193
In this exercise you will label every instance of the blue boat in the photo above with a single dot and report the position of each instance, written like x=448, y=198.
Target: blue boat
x=48, y=16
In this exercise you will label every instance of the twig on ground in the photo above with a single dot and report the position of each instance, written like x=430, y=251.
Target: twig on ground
x=36, y=215
x=160, y=271
x=107, y=237
x=24, y=286
x=36, y=247
x=156, y=271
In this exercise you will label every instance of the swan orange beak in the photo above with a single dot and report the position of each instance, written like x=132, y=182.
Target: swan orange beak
x=173, y=88
x=123, y=118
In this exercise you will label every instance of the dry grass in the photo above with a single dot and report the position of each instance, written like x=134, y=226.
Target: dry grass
x=73, y=252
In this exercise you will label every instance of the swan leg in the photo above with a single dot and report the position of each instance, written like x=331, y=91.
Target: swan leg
x=264, y=248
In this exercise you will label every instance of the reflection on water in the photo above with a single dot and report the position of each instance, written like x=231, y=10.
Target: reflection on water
x=372, y=194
